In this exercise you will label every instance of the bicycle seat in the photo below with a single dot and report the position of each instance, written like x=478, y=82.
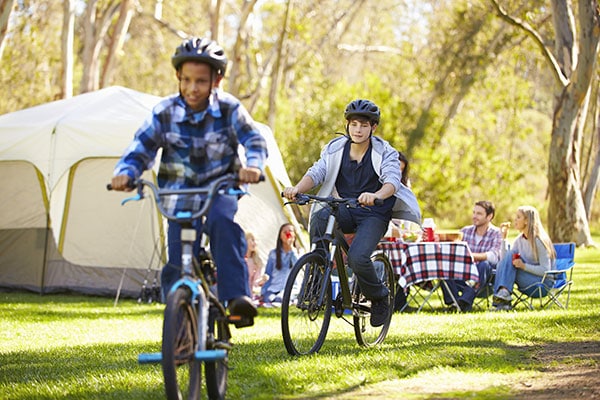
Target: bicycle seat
x=242, y=312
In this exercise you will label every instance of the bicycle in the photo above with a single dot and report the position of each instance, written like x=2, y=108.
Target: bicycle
x=196, y=324
x=307, y=299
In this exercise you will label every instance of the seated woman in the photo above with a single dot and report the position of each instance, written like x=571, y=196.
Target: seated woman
x=531, y=255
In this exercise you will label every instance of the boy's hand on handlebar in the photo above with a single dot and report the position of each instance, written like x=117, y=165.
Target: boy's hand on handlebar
x=290, y=193
x=249, y=175
x=367, y=199
x=121, y=183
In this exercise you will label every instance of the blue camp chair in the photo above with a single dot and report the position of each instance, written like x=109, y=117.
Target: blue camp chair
x=559, y=281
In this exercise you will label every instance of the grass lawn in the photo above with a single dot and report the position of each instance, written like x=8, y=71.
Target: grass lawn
x=79, y=347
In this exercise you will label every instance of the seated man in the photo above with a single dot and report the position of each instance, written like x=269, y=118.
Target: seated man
x=485, y=242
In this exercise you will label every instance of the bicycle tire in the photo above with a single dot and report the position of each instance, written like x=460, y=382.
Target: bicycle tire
x=181, y=372
x=305, y=321
x=367, y=335
x=215, y=372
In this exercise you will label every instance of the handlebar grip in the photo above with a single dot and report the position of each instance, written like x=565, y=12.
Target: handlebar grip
x=378, y=202
x=108, y=186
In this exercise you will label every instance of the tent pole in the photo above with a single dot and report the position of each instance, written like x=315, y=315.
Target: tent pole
x=119, y=288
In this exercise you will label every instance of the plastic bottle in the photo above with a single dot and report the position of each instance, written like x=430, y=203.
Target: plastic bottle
x=429, y=230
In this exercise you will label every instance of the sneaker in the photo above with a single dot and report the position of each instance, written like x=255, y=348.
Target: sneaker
x=380, y=310
x=502, y=296
x=242, y=311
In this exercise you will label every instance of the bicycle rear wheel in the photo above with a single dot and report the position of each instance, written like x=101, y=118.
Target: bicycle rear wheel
x=216, y=371
x=367, y=335
x=182, y=373
x=305, y=314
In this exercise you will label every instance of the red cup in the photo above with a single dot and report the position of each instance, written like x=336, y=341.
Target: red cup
x=429, y=235
x=516, y=256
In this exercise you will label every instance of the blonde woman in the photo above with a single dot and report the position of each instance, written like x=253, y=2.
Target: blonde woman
x=255, y=265
x=531, y=255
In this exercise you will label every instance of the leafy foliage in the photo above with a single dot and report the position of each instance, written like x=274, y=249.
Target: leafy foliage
x=466, y=98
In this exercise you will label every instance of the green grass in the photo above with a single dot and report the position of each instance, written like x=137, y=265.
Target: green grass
x=79, y=347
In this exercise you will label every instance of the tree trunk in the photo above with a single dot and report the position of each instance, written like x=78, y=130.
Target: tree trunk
x=5, y=10
x=277, y=68
x=567, y=220
x=214, y=11
x=593, y=180
x=67, y=37
x=236, y=54
x=567, y=216
x=116, y=41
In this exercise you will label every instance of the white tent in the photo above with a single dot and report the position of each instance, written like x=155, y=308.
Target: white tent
x=61, y=230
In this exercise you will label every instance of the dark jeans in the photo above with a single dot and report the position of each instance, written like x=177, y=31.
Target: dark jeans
x=227, y=246
x=368, y=230
x=462, y=291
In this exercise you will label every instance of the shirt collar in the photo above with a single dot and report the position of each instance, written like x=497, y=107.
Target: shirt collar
x=187, y=114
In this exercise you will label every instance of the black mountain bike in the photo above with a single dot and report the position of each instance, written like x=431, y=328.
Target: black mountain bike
x=307, y=299
x=196, y=325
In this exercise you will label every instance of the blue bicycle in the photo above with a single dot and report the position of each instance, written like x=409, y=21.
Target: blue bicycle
x=196, y=324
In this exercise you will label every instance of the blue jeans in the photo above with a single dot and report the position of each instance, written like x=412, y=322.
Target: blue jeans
x=462, y=291
x=507, y=275
x=227, y=246
x=368, y=230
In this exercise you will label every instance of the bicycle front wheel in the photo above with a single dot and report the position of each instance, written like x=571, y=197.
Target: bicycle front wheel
x=367, y=335
x=219, y=337
x=182, y=373
x=306, y=307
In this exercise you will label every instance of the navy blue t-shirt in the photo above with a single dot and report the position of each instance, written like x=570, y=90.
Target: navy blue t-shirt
x=356, y=177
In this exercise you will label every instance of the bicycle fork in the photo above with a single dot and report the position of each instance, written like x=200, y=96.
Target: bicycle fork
x=199, y=303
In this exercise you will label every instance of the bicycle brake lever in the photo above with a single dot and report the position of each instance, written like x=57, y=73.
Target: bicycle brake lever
x=128, y=199
x=234, y=192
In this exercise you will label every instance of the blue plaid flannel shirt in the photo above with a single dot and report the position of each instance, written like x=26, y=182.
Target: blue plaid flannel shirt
x=197, y=147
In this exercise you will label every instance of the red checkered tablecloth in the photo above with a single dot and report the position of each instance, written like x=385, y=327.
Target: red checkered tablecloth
x=426, y=261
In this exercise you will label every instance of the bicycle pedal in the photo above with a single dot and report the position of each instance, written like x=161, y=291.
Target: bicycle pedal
x=239, y=321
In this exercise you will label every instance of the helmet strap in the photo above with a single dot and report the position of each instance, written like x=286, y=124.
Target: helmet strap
x=348, y=132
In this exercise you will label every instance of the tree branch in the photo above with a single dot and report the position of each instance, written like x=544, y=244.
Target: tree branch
x=519, y=23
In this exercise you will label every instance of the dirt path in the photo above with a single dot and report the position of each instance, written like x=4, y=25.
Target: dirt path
x=572, y=372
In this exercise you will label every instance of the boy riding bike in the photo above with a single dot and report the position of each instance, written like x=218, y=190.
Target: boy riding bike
x=199, y=130
x=366, y=167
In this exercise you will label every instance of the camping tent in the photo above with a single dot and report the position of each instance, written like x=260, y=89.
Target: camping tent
x=61, y=230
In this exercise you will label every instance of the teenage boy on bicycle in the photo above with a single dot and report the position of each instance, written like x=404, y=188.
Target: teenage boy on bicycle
x=366, y=167
x=199, y=130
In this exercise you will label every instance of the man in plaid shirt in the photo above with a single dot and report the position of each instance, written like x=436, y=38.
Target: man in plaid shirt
x=198, y=130
x=485, y=242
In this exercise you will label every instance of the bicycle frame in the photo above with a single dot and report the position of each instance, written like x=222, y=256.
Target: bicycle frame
x=308, y=302
x=336, y=245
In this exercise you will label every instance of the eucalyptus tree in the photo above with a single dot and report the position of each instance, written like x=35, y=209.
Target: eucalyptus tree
x=576, y=39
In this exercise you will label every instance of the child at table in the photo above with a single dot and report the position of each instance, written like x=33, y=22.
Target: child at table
x=279, y=264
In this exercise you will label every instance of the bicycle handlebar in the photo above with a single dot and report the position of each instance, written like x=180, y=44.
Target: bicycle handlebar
x=305, y=198
x=222, y=185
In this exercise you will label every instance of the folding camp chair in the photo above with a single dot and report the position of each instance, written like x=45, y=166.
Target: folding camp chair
x=485, y=291
x=554, y=282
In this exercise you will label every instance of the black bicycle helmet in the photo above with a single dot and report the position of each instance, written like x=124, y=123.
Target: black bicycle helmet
x=203, y=50
x=363, y=108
